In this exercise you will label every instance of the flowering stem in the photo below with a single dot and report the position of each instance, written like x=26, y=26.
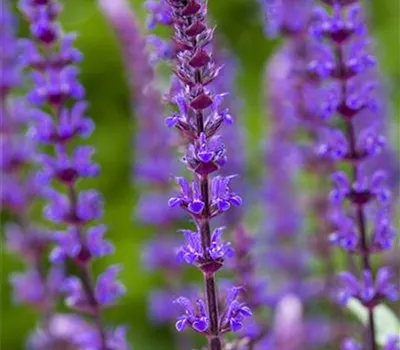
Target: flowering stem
x=58, y=98
x=360, y=215
x=198, y=121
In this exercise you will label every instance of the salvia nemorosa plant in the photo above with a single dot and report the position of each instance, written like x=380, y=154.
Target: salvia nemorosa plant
x=36, y=287
x=198, y=119
x=322, y=89
x=307, y=77
x=59, y=120
x=361, y=199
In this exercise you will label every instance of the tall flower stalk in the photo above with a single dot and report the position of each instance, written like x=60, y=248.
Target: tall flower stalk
x=297, y=118
x=344, y=58
x=198, y=120
x=60, y=120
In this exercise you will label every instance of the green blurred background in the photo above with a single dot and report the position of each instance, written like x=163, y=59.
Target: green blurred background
x=240, y=23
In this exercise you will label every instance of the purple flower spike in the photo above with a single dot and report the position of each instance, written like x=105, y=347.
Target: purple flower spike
x=59, y=121
x=335, y=96
x=342, y=62
x=153, y=144
x=360, y=192
x=198, y=116
x=95, y=242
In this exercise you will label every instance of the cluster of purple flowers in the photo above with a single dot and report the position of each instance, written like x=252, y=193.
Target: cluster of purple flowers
x=198, y=119
x=205, y=153
x=55, y=119
x=330, y=54
x=323, y=110
x=343, y=60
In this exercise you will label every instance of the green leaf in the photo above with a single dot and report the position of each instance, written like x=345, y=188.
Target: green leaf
x=386, y=322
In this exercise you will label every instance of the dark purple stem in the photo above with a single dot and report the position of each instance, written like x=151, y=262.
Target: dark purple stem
x=89, y=290
x=214, y=341
x=360, y=215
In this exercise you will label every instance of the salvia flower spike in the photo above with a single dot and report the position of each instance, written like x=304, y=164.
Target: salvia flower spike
x=59, y=115
x=198, y=119
x=342, y=33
